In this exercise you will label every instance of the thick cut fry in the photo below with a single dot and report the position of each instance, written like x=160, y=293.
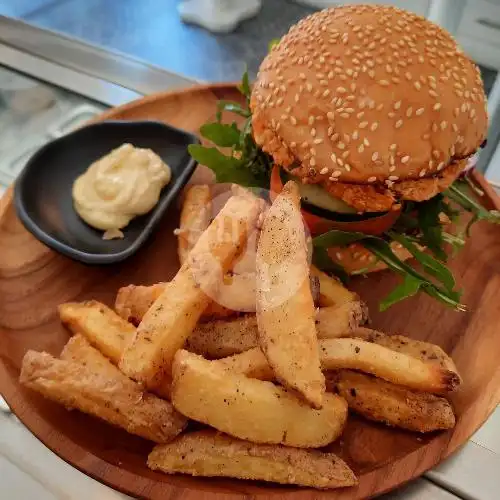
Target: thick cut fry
x=100, y=325
x=78, y=350
x=195, y=218
x=218, y=339
x=332, y=292
x=389, y=365
x=393, y=405
x=337, y=354
x=173, y=316
x=209, y=453
x=285, y=307
x=106, y=331
x=252, y=409
x=133, y=302
x=425, y=351
x=115, y=399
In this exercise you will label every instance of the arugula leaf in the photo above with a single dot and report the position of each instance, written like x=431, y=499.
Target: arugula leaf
x=431, y=227
x=244, y=88
x=221, y=134
x=382, y=250
x=226, y=168
x=431, y=265
x=408, y=288
x=232, y=107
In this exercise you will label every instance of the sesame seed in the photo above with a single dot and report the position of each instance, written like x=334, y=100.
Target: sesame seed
x=318, y=140
x=409, y=112
x=397, y=105
x=347, y=167
x=324, y=171
x=341, y=145
x=337, y=173
x=334, y=137
x=393, y=177
x=417, y=85
x=384, y=83
x=345, y=115
x=372, y=179
x=455, y=127
x=380, y=107
x=355, y=135
x=361, y=114
x=363, y=124
x=340, y=162
x=399, y=124
x=408, y=75
x=440, y=166
x=443, y=125
x=374, y=126
x=312, y=162
x=310, y=120
x=405, y=159
x=313, y=132
x=333, y=157
x=375, y=156
x=422, y=173
x=419, y=111
x=341, y=90
x=392, y=168
x=433, y=93
x=297, y=97
x=293, y=120
x=361, y=148
x=309, y=87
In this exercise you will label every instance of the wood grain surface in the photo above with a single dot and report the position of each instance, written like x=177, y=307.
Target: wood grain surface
x=34, y=280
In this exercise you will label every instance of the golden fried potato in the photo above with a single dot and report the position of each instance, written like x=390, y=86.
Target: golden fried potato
x=115, y=399
x=195, y=218
x=106, y=331
x=209, y=453
x=393, y=405
x=332, y=292
x=218, y=339
x=337, y=354
x=251, y=409
x=425, y=351
x=174, y=315
x=285, y=307
x=100, y=325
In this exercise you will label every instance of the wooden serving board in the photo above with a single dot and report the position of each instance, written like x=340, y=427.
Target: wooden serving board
x=34, y=280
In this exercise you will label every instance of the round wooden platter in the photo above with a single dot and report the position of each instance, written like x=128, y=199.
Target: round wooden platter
x=34, y=280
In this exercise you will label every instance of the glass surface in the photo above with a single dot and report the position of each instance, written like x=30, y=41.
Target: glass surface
x=33, y=113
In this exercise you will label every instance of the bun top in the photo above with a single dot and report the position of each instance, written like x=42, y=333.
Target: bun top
x=368, y=94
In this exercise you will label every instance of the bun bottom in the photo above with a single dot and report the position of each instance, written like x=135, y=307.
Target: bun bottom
x=357, y=259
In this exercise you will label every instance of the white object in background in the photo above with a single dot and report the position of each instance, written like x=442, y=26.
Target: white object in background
x=219, y=16
x=447, y=13
x=419, y=6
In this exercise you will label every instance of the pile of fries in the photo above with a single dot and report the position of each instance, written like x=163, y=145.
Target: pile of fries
x=271, y=386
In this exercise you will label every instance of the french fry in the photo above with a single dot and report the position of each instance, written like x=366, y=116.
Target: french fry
x=100, y=325
x=425, y=351
x=209, y=453
x=133, y=302
x=393, y=405
x=78, y=350
x=251, y=409
x=113, y=398
x=174, y=314
x=218, y=339
x=285, y=307
x=195, y=218
x=337, y=354
x=104, y=330
x=332, y=292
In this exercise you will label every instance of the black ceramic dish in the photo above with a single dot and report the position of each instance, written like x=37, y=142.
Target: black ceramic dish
x=42, y=193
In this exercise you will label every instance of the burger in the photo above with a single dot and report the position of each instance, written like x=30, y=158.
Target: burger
x=377, y=113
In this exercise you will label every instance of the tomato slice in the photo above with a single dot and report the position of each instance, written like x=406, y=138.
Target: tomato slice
x=319, y=225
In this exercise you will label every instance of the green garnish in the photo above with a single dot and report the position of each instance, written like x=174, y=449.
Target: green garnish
x=245, y=164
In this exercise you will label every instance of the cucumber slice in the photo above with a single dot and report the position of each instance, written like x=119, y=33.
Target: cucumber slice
x=314, y=194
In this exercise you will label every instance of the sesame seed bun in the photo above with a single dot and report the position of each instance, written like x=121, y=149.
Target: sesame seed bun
x=370, y=95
